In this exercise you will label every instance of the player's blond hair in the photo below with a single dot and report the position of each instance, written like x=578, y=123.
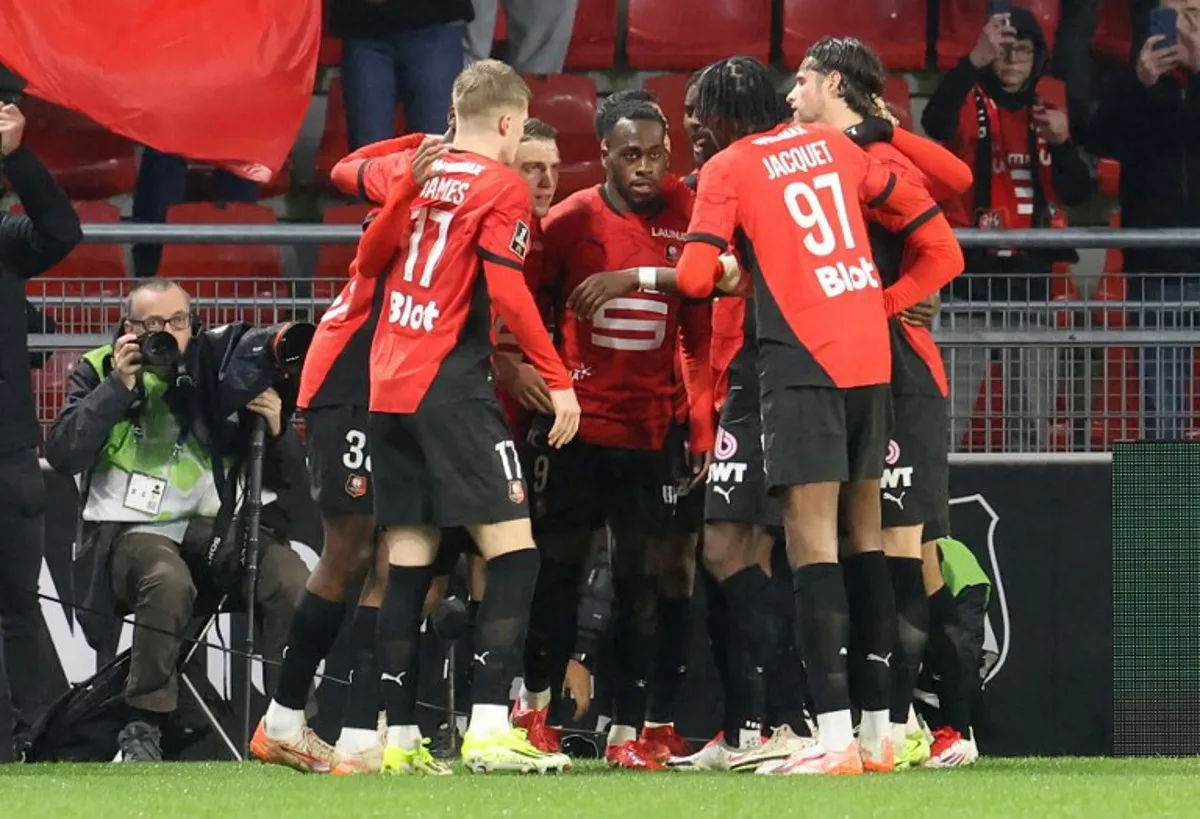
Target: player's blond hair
x=488, y=86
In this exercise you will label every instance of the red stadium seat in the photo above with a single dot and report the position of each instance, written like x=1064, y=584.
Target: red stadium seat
x=986, y=430
x=1113, y=39
x=899, y=100
x=50, y=383
x=226, y=272
x=83, y=292
x=568, y=102
x=87, y=160
x=896, y=29
x=669, y=88
x=960, y=22
x=594, y=40
x=686, y=34
x=333, y=261
x=331, y=51
x=334, y=141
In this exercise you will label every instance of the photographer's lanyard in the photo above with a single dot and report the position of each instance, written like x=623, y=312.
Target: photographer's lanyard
x=145, y=493
x=139, y=434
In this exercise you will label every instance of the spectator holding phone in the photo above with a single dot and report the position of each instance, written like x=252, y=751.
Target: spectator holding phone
x=1150, y=122
x=992, y=111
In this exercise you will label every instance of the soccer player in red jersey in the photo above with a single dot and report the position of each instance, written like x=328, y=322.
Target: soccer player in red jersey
x=522, y=391
x=441, y=450
x=790, y=198
x=839, y=84
x=333, y=395
x=622, y=359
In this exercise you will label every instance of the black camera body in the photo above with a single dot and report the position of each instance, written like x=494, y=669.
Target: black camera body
x=160, y=353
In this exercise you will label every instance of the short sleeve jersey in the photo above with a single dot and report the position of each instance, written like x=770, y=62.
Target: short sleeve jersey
x=623, y=359
x=433, y=343
x=791, y=202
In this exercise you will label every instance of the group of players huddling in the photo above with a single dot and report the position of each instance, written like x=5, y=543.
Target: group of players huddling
x=433, y=389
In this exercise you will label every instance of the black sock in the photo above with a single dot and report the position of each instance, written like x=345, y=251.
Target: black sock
x=750, y=598
x=674, y=642
x=872, y=629
x=501, y=625
x=955, y=684
x=551, y=622
x=823, y=628
x=912, y=618
x=633, y=637
x=741, y=679
x=399, y=639
x=785, y=689
x=365, y=698
x=314, y=628
x=464, y=652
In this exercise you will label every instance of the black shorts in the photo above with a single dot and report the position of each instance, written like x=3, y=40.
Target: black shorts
x=688, y=517
x=824, y=434
x=737, y=483
x=915, y=487
x=339, y=461
x=452, y=464
x=583, y=486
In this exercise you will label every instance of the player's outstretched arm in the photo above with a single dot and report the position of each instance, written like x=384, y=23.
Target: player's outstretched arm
x=695, y=324
x=367, y=172
x=591, y=294
x=933, y=258
x=948, y=175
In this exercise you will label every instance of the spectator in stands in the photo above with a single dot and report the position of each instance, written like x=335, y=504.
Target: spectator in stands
x=398, y=53
x=1150, y=122
x=29, y=245
x=158, y=483
x=539, y=32
x=161, y=183
x=1026, y=167
x=1073, y=56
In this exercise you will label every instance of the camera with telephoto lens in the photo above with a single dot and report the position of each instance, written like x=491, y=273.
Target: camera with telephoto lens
x=262, y=358
x=160, y=353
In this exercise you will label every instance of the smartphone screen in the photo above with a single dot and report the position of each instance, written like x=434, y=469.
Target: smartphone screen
x=996, y=7
x=1164, y=21
x=1052, y=92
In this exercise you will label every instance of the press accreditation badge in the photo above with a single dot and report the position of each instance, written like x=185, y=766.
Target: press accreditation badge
x=145, y=493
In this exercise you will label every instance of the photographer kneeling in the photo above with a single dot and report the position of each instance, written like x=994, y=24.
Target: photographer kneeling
x=144, y=426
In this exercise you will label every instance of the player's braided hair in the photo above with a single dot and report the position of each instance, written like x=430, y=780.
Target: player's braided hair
x=739, y=91
x=861, y=70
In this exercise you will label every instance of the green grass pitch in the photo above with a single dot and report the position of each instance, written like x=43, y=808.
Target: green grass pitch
x=1024, y=789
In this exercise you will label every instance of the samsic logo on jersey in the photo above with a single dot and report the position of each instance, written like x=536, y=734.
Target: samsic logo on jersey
x=404, y=310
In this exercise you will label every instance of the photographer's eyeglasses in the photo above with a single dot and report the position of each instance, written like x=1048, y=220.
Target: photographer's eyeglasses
x=155, y=324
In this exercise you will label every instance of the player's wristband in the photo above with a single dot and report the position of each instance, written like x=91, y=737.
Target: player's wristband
x=647, y=278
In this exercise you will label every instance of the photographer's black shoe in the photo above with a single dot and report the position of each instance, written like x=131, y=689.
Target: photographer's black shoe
x=140, y=742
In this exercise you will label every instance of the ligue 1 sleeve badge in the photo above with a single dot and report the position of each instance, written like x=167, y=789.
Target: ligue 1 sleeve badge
x=516, y=491
x=356, y=485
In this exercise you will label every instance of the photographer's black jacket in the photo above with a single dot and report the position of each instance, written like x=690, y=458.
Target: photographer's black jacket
x=29, y=245
x=97, y=401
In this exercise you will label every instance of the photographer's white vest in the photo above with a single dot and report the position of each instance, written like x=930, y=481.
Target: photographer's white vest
x=150, y=472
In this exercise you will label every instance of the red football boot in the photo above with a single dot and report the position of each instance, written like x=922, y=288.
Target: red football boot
x=662, y=743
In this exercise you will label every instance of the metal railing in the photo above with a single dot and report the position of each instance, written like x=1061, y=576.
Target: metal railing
x=1038, y=363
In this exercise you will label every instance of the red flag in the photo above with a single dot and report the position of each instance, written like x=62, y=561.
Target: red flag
x=221, y=81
